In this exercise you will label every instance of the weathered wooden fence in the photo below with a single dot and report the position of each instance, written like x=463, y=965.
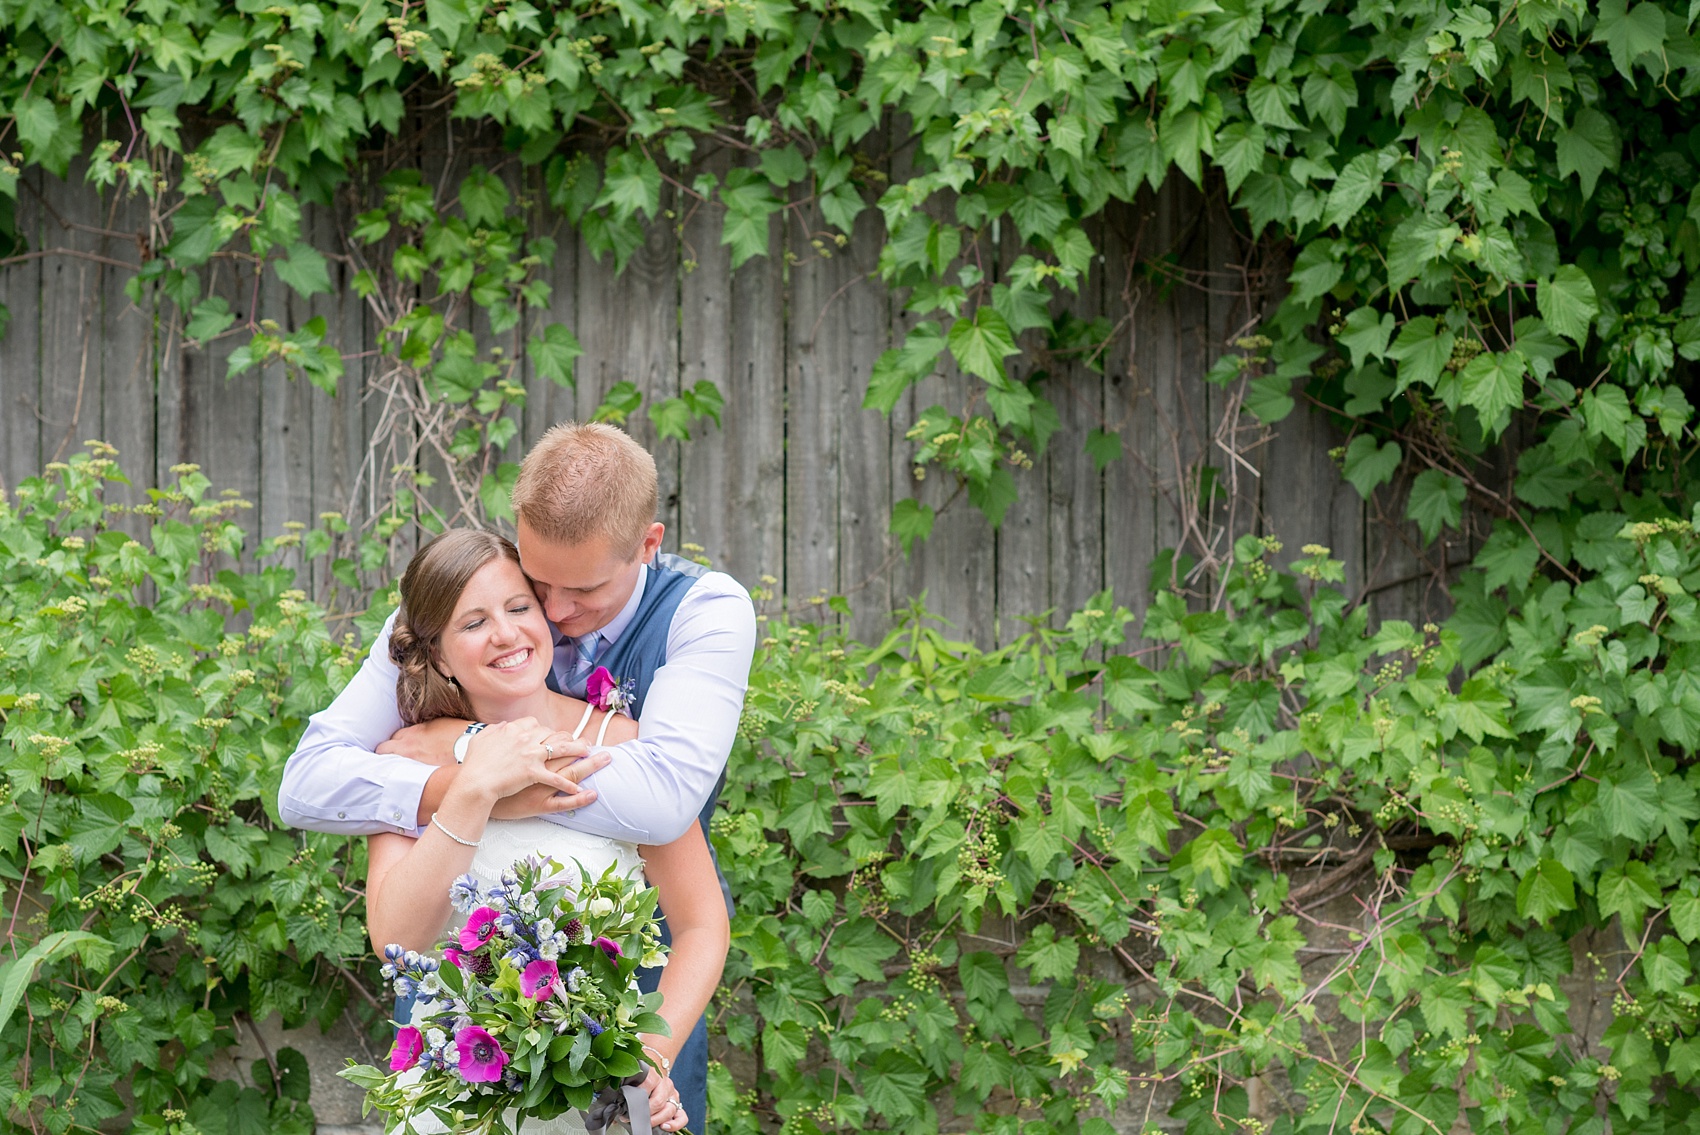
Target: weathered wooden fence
x=799, y=481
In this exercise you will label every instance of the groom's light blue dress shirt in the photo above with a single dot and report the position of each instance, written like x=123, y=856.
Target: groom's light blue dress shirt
x=650, y=793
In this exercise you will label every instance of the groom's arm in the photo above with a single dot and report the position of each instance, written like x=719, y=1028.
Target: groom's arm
x=336, y=781
x=654, y=787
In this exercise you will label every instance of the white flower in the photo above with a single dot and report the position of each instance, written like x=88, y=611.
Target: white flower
x=527, y=903
x=436, y=1038
x=599, y=906
x=653, y=958
x=548, y=949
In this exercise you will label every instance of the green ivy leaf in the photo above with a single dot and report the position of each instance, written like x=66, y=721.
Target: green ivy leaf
x=901, y=367
x=1628, y=891
x=910, y=521
x=1547, y=890
x=553, y=352
x=1355, y=185
x=1567, y=303
x=1630, y=33
x=1368, y=464
x=621, y=401
x=210, y=319
x=1437, y=502
x=980, y=344
x=1365, y=334
x=1422, y=350
x=305, y=270
x=1047, y=956
x=1588, y=148
x=631, y=184
x=1492, y=382
x=483, y=198
x=1105, y=446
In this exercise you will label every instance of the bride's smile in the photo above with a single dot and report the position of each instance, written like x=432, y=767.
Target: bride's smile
x=498, y=645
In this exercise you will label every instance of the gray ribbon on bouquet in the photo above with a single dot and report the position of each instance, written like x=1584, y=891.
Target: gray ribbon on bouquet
x=627, y=1101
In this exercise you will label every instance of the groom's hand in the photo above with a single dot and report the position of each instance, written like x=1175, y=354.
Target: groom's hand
x=544, y=799
x=432, y=742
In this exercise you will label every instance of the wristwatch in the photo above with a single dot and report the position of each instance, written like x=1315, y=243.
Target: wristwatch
x=465, y=739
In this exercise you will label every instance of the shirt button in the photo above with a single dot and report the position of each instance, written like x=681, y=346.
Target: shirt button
x=342, y=815
x=398, y=817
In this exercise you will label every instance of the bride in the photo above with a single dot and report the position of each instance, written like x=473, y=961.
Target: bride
x=471, y=642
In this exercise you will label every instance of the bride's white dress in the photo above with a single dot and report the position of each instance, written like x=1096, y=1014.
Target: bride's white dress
x=506, y=842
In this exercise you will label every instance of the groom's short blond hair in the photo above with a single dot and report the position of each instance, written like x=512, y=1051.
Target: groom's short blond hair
x=587, y=479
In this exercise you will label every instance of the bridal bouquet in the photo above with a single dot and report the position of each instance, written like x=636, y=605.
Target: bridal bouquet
x=533, y=1005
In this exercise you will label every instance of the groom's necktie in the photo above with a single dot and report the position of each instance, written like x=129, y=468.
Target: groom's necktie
x=585, y=648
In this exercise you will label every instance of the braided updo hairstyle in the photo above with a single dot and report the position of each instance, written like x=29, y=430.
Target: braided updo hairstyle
x=430, y=588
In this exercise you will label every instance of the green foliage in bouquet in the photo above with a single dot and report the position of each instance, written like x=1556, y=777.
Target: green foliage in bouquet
x=532, y=1007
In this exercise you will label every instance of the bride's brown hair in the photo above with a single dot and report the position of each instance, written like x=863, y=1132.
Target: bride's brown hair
x=430, y=588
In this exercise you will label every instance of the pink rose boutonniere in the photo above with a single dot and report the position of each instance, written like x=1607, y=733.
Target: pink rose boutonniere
x=608, y=693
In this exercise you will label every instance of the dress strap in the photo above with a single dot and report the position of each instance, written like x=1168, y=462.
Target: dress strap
x=583, y=721
x=603, y=732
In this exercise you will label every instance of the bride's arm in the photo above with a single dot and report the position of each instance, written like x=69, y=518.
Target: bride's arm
x=695, y=909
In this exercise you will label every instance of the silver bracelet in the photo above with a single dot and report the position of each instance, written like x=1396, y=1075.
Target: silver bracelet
x=451, y=835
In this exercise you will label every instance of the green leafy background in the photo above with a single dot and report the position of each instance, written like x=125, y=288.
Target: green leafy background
x=1265, y=866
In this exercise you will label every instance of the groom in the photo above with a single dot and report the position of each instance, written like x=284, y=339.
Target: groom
x=585, y=504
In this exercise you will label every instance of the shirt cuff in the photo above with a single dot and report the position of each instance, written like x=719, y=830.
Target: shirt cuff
x=398, y=805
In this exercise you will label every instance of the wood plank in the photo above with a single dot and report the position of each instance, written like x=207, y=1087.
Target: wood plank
x=957, y=567
x=732, y=499
x=127, y=353
x=1235, y=437
x=286, y=409
x=546, y=403
x=858, y=323
x=70, y=366
x=338, y=438
x=20, y=351
x=816, y=361
x=1076, y=499
x=1306, y=500
x=1023, y=541
x=630, y=332
x=1140, y=365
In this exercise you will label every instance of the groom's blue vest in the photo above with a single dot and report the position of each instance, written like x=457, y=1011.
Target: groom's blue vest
x=641, y=650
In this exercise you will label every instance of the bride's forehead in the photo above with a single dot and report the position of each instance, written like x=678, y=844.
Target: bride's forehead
x=499, y=575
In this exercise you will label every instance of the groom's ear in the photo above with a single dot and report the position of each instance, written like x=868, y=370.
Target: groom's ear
x=651, y=542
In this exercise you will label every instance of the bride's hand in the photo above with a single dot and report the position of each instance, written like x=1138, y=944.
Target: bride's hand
x=544, y=799
x=512, y=756
x=665, y=1111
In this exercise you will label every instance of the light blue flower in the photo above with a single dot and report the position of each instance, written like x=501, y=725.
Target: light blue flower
x=463, y=894
x=574, y=977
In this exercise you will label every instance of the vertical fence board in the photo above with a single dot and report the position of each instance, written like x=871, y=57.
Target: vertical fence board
x=817, y=359
x=127, y=346
x=20, y=351
x=545, y=402
x=860, y=318
x=69, y=308
x=630, y=332
x=732, y=489
x=1023, y=540
x=1076, y=500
